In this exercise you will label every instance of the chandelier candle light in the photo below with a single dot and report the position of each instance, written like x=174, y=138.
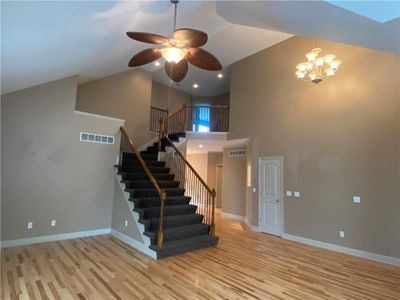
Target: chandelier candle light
x=317, y=68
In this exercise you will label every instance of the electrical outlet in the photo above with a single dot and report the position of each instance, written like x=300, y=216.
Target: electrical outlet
x=53, y=223
x=356, y=199
x=297, y=194
x=289, y=193
x=341, y=233
x=126, y=223
x=30, y=225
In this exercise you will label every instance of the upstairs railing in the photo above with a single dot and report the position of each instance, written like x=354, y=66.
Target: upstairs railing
x=157, y=114
x=191, y=118
x=195, y=187
x=127, y=146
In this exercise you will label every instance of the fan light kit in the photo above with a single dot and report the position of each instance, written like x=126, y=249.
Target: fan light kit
x=181, y=48
x=317, y=68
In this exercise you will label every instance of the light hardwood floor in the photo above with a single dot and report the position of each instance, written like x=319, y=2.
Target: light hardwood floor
x=244, y=265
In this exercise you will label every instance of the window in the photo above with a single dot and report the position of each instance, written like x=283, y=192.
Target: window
x=201, y=119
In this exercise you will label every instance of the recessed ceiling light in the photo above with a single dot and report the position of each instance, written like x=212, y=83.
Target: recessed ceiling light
x=157, y=63
x=220, y=75
x=195, y=85
x=200, y=146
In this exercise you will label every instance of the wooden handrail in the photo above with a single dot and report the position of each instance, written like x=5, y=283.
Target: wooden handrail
x=161, y=193
x=210, y=106
x=178, y=111
x=189, y=165
x=157, y=108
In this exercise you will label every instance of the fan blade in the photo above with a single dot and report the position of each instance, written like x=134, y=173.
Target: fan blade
x=191, y=37
x=203, y=59
x=146, y=37
x=144, y=57
x=176, y=71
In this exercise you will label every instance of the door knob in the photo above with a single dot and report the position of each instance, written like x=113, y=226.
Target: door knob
x=277, y=200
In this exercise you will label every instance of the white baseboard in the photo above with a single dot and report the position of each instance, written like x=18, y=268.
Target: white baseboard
x=53, y=237
x=252, y=227
x=134, y=243
x=232, y=216
x=342, y=249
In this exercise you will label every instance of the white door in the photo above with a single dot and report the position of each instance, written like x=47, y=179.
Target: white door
x=271, y=195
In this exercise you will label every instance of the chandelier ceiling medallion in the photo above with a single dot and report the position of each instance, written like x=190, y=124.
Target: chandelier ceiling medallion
x=316, y=69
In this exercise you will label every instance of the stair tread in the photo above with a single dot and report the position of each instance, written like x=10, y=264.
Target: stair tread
x=170, y=207
x=168, y=218
x=152, y=189
x=157, y=198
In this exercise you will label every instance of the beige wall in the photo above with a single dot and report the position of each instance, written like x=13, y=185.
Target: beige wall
x=121, y=212
x=222, y=99
x=214, y=159
x=339, y=138
x=234, y=183
x=199, y=161
x=125, y=95
x=47, y=173
x=165, y=97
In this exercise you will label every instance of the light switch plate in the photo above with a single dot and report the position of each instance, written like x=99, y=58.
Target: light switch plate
x=341, y=233
x=53, y=223
x=30, y=225
x=254, y=190
x=356, y=199
x=126, y=223
x=289, y=193
x=297, y=194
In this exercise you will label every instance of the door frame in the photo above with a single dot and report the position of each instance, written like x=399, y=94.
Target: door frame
x=280, y=158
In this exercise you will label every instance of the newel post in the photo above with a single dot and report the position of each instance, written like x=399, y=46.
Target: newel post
x=212, y=226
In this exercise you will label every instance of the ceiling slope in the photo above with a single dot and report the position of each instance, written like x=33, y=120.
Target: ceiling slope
x=319, y=19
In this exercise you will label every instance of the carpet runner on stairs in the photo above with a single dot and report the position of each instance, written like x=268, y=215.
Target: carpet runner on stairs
x=183, y=227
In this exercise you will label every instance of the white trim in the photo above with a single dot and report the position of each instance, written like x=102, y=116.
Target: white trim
x=252, y=227
x=135, y=215
x=232, y=216
x=134, y=243
x=342, y=249
x=54, y=237
x=280, y=158
x=78, y=112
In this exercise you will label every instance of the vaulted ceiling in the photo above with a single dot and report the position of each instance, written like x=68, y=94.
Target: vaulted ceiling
x=48, y=40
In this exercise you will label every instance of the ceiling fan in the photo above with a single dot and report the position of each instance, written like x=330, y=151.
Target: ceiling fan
x=181, y=48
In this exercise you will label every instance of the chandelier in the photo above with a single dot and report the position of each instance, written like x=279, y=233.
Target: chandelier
x=317, y=68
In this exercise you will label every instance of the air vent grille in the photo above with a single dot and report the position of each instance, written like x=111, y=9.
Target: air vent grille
x=237, y=152
x=96, y=138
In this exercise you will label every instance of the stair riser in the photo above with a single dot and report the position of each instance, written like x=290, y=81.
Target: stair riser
x=143, y=176
x=153, y=224
x=149, y=163
x=145, y=203
x=213, y=241
x=169, y=237
x=145, y=156
x=153, y=193
x=148, y=184
x=168, y=211
x=139, y=169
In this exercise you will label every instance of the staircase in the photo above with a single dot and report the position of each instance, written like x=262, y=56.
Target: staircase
x=184, y=228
